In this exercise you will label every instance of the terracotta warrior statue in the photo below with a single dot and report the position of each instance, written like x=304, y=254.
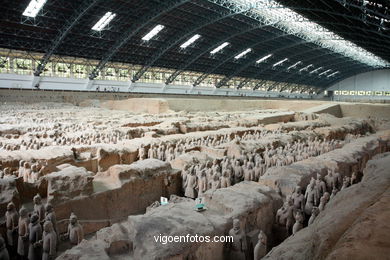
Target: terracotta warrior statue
x=23, y=231
x=202, y=183
x=225, y=180
x=298, y=198
x=51, y=216
x=299, y=218
x=35, y=235
x=320, y=186
x=261, y=247
x=21, y=168
x=334, y=192
x=323, y=201
x=49, y=246
x=239, y=245
x=3, y=250
x=142, y=153
x=329, y=181
x=190, y=185
x=311, y=197
x=314, y=213
x=75, y=231
x=11, y=223
x=39, y=208
x=216, y=183
x=285, y=215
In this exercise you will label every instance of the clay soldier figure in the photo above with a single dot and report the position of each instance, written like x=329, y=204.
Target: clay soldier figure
x=225, y=180
x=346, y=182
x=8, y=173
x=35, y=235
x=141, y=153
x=3, y=250
x=298, y=198
x=190, y=185
x=261, y=247
x=23, y=229
x=49, y=242
x=311, y=197
x=152, y=153
x=314, y=213
x=216, y=183
x=249, y=173
x=320, y=186
x=26, y=172
x=239, y=245
x=329, y=181
x=75, y=156
x=184, y=174
x=202, y=183
x=11, y=221
x=354, y=178
x=34, y=175
x=337, y=180
x=334, y=192
x=299, y=218
x=170, y=153
x=258, y=171
x=75, y=231
x=285, y=215
x=21, y=169
x=39, y=208
x=238, y=172
x=51, y=216
x=323, y=201
x=161, y=152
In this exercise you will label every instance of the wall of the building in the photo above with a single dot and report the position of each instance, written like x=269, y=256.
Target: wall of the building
x=13, y=81
x=371, y=86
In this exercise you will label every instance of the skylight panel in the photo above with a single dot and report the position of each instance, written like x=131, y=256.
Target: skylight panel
x=333, y=74
x=280, y=62
x=325, y=72
x=190, y=41
x=34, y=7
x=242, y=54
x=294, y=65
x=316, y=70
x=103, y=22
x=153, y=32
x=293, y=23
x=219, y=48
x=306, y=68
x=264, y=58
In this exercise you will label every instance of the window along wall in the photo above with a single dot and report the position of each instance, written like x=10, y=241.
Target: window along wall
x=25, y=63
x=373, y=85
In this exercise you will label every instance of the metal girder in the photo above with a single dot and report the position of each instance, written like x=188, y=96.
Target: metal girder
x=244, y=82
x=211, y=70
x=338, y=14
x=251, y=63
x=338, y=66
x=307, y=61
x=163, y=8
x=354, y=69
x=316, y=57
x=339, y=79
x=214, y=45
x=311, y=79
x=182, y=36
x=69, y=24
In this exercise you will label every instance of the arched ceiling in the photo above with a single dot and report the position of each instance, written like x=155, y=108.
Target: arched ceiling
x=275, y=50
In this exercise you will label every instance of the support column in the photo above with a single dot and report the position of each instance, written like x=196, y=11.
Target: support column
x=35, y=81
x=130, y=86
x=89, y=84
